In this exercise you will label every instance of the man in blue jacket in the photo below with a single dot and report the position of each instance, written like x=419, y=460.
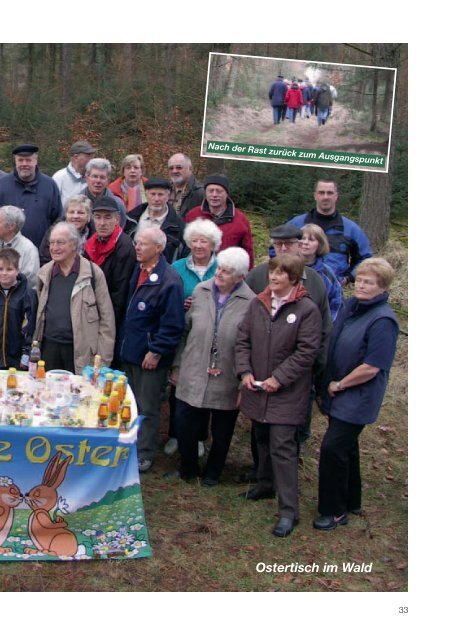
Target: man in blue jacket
x=149, y=335
x=277, y=96
x=348, y=243
x=34, y=192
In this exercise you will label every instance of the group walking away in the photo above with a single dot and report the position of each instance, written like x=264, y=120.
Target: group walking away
x=298, y=96
x=157, y=276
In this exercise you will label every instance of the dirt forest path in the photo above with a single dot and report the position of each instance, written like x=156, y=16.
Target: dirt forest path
x=340, y=133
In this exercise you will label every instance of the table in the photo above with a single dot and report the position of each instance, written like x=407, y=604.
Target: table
x=70, y=494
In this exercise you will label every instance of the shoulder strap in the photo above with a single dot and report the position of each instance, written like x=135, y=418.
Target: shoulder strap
x=93, y=277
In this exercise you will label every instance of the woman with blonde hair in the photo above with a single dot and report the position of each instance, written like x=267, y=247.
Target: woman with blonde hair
x=361, y=352
x=129, y=187
x=313, y=246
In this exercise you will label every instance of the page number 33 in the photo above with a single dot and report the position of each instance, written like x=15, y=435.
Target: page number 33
x=403, y=609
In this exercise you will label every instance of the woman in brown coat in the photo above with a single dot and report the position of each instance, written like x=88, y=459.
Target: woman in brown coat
x=276, y=347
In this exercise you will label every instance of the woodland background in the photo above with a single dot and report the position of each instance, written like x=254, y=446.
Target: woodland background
x=149, y=99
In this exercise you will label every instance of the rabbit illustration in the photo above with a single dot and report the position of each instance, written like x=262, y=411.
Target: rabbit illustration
x=10, y=497
x=50, y=536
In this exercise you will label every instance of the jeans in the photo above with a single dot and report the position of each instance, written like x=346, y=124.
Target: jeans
x=277, y=113
x=291, y=112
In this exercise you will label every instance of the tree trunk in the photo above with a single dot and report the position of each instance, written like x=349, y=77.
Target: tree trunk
x=375, y=208
x=66, y=76
x=388, y=94
x=374, y=102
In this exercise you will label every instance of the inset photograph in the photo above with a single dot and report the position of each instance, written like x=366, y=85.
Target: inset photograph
x=298, y=112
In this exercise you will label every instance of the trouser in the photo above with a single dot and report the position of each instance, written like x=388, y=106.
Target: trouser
x=339, y=469
x=146, y=384
x=190, y=421
x=291, y=112
x=277, y=113
x=203, y=420
x=58, y=355
x=278, y=464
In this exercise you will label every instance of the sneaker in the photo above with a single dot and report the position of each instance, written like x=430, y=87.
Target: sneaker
x=144, y=465
x=171, y=446
x=200, y=449
x=327, y=523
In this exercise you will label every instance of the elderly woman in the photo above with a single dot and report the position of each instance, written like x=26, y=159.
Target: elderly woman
x=75, y=318
x=361, y=352
x=314, y=245
x=276, y=347
x=207, y=383
x=77, y=211
x=129, y=187
x=12, y=220
x=203, y=237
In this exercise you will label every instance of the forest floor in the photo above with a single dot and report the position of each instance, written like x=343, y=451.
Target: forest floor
x=209, y=539
x=341, y=132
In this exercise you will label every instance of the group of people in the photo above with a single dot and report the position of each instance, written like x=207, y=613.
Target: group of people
x=157, y=277
x=290, y=98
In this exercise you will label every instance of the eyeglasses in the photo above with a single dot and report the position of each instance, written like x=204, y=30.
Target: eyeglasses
x=59, y=243
x=175, y=166
x=288, y=243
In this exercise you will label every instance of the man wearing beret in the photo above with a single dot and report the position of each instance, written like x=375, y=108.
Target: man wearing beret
x=34, y=192
x=220, y=208
x=71, y=180
x=158, y=213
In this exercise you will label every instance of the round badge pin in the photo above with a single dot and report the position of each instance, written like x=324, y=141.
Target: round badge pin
x=141, y=306
x=291, y=318
x=153, y=277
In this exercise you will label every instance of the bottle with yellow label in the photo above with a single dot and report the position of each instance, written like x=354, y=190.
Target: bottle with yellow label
x=113, y=409
x=108, y=388
x=126, y=415
x=102, y=412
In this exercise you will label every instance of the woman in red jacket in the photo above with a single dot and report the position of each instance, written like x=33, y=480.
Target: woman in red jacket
x=294, y=101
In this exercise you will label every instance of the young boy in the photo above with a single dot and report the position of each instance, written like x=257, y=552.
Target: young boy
x=18, y=305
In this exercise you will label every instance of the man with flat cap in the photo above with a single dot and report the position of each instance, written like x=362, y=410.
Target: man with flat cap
x=277, y=96
x=71, y=180
x=286, y=240
x=34, y=192
x=158, y=213
x=219, y=207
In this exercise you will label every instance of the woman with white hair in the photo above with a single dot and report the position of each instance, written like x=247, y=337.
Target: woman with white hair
x=204, y=367
x=203, y=237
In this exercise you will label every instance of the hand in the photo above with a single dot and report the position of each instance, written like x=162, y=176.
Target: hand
x=332, y=389
x=188, y=302
x=248, y=381
x=151, y=360
x=270, y=385
x=174, y=376
x=345, y=280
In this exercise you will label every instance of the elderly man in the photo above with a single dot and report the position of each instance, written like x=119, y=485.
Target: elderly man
x=34, y=192
x=12, y=220
x=113, y=251
x=71, y=179
x=277, y=94
x=97, y=176
x=152, y=328
x=348, y=243
x=186, y=192
x=157, y=213
x=219, y=207
x=286, y=239
x=75, y=318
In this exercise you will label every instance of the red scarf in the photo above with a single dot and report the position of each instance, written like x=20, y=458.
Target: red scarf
x=98, y=250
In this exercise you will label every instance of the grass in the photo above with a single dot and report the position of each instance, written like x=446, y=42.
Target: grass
x=208, y=539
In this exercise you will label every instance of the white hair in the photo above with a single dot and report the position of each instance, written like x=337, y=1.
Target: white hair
x=72, y=230
x=206, y=228
x=13, y=216
x=102, y=164
x=235, y=259
x=156, y=235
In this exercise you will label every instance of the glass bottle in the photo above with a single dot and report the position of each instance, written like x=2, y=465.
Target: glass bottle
x=107, y=389
x=11, y=381
x=35, y=356
x=126, y=415
x=113, y=409
x=102, y=412
x=97, y=367
x=40, y=371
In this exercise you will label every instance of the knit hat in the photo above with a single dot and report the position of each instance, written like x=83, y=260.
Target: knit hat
x=218, y=178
